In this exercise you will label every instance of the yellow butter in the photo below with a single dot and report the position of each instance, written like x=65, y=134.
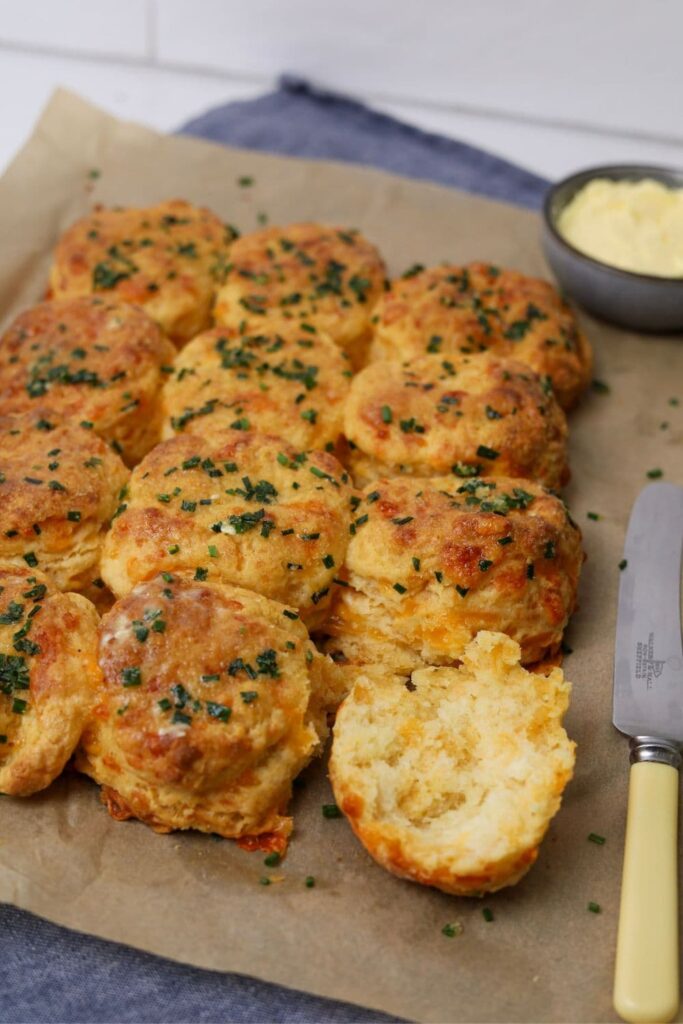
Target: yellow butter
x=633, y=225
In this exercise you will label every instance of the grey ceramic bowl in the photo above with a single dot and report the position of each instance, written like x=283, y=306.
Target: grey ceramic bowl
x=642, y=302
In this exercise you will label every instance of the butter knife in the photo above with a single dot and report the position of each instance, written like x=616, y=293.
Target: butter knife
x=648, y=707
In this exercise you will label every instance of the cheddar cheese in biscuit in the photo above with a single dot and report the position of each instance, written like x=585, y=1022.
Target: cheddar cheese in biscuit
x=322, y=278
x=168, y=259
x=95, y=361
x=59, y=487
x=48, y=677
x=243, y=507
x=207, y=710
x=287, y=382
x=463, y=414
x=452, y=780
x=451, y=310
x=433, y=562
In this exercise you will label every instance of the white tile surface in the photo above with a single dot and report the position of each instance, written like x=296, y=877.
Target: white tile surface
x=550, y=150
x=113, y=27
x=614, y=64
x=152, y=96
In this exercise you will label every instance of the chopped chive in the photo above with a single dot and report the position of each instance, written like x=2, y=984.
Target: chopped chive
x=452, y=929
x=131, y=676
x=487, y=453
x=463, y=591
x=399, y=588
x=655, y=474
x=272, y=860
x=594, y=908
x=386, y=414
x=593, y=515
x=331, y=811
x=416, y=564
x=593, y=837
x=487, y=914
x=309, y=882
x=622, y=564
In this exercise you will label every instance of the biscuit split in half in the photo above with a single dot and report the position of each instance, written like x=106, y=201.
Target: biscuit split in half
x=211, y=704
x=48, y=677
x=236, y=506
x=287, y=382
x=169, y=259
x=463, y=414
x=431, y=562
x=95, y=361
x=60, y=484
x=322, y=278
x=451, y=310
x=452, y=779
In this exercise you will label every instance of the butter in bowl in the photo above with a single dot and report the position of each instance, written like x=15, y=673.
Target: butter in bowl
x=614, y=239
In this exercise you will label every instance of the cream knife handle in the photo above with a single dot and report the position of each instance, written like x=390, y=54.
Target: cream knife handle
x=646, y=986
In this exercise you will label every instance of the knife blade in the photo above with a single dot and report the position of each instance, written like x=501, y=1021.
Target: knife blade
x=648, y=707
x=648, y=663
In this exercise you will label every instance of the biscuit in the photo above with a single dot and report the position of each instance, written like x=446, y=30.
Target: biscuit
x=238, y=506
x=452, y=781
x=48, y=677
x=288, y=383
x=433, y=562
x=208, y=708
x=448, y=310
x=91, y=360
x=169, y=259
x=59, y=487
x=323, y=278
x=464, y=414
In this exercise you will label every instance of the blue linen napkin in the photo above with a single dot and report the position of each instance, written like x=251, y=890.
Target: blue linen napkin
x=49, y=974
x=301, y=120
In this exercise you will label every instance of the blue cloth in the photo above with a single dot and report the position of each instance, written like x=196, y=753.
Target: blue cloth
x=299, y=120
x=51, y=974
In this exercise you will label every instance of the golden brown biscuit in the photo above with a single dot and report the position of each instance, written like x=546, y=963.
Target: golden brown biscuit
x=169, y=259
x=48, y=677
x=452, y=781
x=323, y=278
x=94, y=361
x=432, y=562
x=288, y=383
x=464, y=414
x=238, y=506
x=449, y=310
x=59, y=487
x=207, y=710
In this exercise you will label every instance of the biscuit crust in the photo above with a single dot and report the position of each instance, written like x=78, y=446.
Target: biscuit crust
x=436, y=415
x=48, y=677
x=452, y=310
x=325, y=278
x=243, y=507
x=433, y=562
x=207, y=709
x=59, y=487
x=452, y=782
x=168, y=259
x=288, y=383
x=95, y=361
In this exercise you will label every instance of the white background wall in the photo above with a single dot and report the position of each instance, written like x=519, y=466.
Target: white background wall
x=553, y=85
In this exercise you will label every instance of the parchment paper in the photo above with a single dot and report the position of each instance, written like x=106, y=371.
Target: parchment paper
x=360, y=934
